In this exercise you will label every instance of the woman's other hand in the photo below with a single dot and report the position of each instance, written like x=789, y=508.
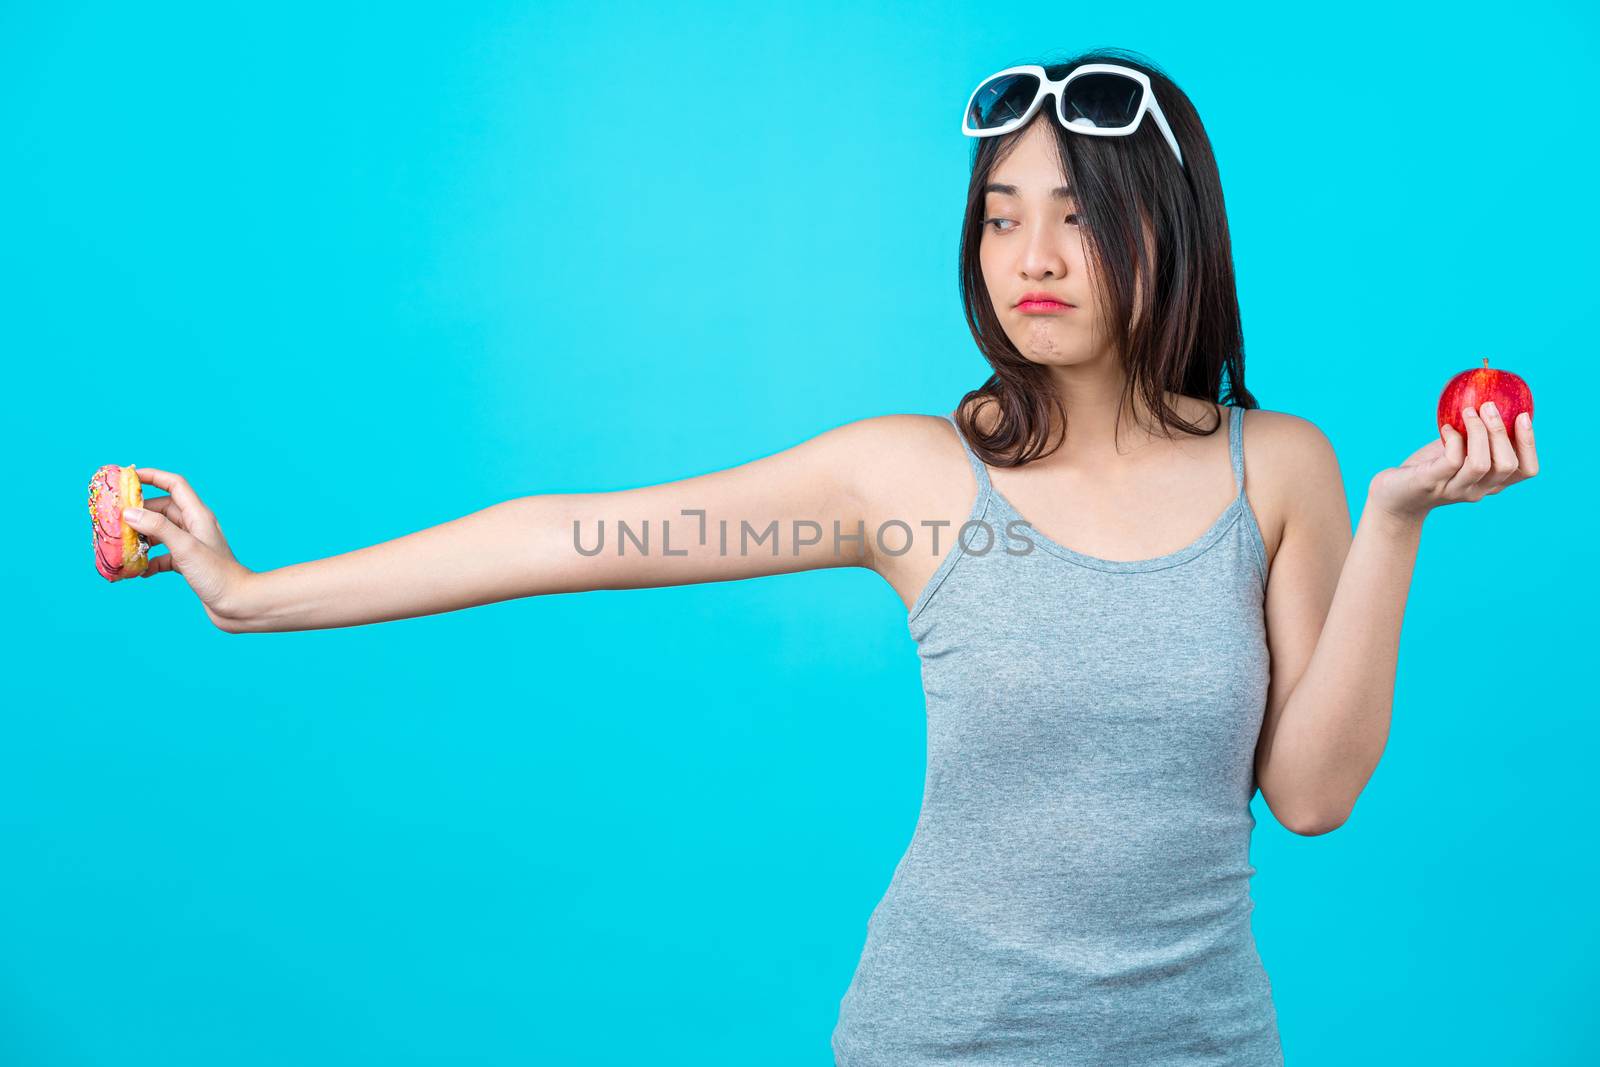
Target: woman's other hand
x=1455, y=469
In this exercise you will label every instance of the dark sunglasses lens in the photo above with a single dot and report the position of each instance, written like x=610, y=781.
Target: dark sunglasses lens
x=1001, y=100
x=1102, y=99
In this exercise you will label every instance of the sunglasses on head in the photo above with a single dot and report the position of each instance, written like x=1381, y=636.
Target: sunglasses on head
x=1101, y=99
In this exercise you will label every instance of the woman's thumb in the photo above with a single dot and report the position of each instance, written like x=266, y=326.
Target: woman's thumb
x=158, y=528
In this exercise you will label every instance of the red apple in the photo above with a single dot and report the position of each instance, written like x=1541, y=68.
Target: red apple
x=1475, y=387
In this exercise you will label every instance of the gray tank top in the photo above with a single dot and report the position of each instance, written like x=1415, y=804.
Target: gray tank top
x=1077, y=889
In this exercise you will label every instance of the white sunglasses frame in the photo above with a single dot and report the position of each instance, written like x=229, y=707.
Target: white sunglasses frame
x=1147, y=103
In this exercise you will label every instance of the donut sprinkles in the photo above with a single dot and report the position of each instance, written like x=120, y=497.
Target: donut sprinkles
x=116, y=555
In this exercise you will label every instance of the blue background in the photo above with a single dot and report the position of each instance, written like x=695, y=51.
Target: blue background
x=363, y=270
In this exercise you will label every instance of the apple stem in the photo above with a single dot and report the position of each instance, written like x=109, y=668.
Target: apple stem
x=1485, y=362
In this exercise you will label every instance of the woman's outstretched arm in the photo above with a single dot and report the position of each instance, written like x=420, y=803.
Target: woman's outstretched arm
x=772, y=515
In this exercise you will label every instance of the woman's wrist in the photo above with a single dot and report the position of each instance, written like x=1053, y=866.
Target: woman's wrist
x=1407, y=525
x=244, y=604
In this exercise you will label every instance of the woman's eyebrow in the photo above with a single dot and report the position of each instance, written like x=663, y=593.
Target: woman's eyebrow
x=1060, y=192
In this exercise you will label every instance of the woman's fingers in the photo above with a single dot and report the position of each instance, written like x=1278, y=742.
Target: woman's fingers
x=175, y=484
x=1502, y=453
x=158, y=564
x=191, y=513
x=1526, y=453
x=163, y=531
x=1464, y=485
x=1455, y=450
x=166, y=505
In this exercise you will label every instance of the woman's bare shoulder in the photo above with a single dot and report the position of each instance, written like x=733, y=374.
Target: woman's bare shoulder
x=1280, y=443
x=909, y=467
x=1286, y=457
x=891, y=450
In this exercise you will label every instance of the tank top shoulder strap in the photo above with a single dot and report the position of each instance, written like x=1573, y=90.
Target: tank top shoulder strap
x=1236, y=445
x=979, y=471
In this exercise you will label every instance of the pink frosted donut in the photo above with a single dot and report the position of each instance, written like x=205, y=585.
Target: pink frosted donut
x=120, y=551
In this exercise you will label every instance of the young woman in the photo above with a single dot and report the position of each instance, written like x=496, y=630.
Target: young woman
x=1122, y=638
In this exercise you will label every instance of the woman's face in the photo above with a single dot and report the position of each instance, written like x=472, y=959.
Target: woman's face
x=1032, y=243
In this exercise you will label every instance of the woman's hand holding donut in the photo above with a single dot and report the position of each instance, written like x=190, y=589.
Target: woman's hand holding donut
x=196, y=547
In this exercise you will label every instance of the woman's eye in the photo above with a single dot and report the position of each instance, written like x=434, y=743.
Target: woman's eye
x=1073, y=218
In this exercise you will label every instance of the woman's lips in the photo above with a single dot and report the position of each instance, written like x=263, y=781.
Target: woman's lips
x=1035, y=307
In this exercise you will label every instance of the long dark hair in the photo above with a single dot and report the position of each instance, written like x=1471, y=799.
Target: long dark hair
x=1187, y=338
